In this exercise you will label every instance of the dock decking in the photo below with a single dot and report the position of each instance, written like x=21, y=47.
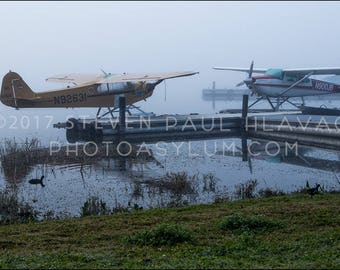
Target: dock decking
x=313, y=130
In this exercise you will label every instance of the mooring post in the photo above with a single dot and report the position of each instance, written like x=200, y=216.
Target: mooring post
x=213, y=93
x=122, y=109
x=245, y=107
x=244, y=127
x=121, y=132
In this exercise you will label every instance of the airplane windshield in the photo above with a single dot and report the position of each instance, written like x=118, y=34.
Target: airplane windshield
x=276, y=73
x=112, y=87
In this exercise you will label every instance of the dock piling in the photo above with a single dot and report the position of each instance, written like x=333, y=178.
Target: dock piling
x=122, y=109
x=244, y=127
x=245, y=106
x=121, y=131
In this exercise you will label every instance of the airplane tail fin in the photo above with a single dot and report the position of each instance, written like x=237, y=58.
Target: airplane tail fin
x=13, y=88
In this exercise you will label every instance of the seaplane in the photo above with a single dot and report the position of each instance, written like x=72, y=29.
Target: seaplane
x=279, y=86
x=85, y=90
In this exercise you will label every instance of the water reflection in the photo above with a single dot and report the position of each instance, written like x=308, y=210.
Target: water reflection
x=197, y=172
x=19, y=158
x=297, y=155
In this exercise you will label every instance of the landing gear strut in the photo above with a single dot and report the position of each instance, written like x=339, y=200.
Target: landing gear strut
x=129, y=108
x=276, y=102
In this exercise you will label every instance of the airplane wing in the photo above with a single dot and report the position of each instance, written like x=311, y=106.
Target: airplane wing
x=75, y=78
x=316, y=71
x=255, y=70
x=145, y=77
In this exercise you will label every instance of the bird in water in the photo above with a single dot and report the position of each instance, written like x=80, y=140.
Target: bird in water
x=314, y=190
x=36, y=181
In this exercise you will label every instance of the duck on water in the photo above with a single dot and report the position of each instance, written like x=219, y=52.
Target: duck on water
x=36, y=181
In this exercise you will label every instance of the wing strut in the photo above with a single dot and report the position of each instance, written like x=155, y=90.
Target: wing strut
x=98, y=112
x=256, y=101
x=296, y=83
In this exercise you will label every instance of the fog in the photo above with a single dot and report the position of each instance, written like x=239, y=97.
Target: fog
x=40, y=39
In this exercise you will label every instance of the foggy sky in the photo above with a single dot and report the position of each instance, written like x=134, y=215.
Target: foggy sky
x=40, y=39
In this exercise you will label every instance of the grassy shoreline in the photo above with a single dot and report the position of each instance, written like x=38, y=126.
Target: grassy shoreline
x=309, y=238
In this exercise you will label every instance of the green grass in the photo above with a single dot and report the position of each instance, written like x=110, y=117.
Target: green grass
x=163, y=234
x=309, y=237
x=237, y=222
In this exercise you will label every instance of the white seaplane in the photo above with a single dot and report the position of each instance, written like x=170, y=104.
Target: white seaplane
x=278, y=86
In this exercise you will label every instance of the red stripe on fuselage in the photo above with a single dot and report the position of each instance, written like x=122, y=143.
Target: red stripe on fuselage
x=335, y=87
x=264, y=77
x=284, y=85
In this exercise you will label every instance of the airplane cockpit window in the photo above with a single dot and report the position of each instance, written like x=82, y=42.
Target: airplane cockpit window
x=295, y=78
x=275, y=72
x=307, y=80
x=291, y=78
x=117, y=86
x=112, y=87
x=103, y=87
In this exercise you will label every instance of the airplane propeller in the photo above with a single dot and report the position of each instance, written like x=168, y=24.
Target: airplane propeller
x=248, y=80
x=240, y=84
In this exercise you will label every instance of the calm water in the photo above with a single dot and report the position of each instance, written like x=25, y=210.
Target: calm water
x=216, y=165
x=67, y=187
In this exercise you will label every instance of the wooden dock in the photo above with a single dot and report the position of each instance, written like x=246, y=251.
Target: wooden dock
x=311, y=130
x=153, y=129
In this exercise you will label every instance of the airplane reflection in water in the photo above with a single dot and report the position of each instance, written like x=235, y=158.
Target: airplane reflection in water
x=270, y=151
x=44, y=162
x=280, y=152
x=70, y=182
